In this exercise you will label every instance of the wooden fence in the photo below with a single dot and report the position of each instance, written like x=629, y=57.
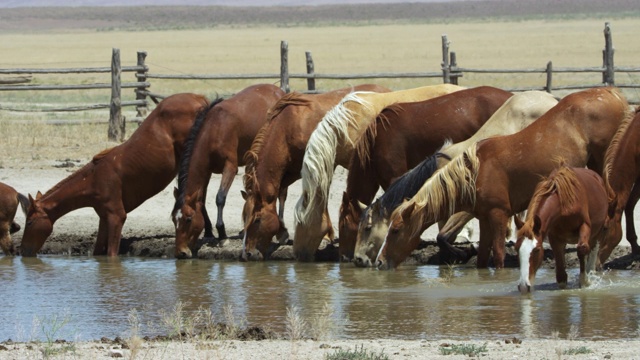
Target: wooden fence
x=449, y=72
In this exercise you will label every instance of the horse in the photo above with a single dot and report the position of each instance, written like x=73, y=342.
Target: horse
x=402, y=140
x=221, y=135
x=10, y=199
x=622, y=176
x=495, y=179
x=119, y=179
x=273, y=163
x=333, y=141
x=372, y=224
x=568, y=207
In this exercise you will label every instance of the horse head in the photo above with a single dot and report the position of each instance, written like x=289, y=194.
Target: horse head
x=372, y=230
x=261, y=225
x=350, y=212
x=37, y=228
x=530, y=253
x=189, y=223
x=399, y=241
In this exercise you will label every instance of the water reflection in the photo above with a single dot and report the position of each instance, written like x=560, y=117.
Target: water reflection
x=413, y=302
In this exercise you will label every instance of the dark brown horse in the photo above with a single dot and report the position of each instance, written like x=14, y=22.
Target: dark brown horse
x=622, y=176
x=568, y=207
x=274, y=162
x=405, y=135
x=119, y=179
x=9, y=201
x=495, y=179
x=220, y=136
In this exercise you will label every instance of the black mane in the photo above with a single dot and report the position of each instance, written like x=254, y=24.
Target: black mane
x=188, y=151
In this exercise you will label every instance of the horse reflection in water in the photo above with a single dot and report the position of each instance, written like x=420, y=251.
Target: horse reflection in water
x=117, y=180
x=372, y=224
x=569, y=207
x=496, y=178
x=10, y=199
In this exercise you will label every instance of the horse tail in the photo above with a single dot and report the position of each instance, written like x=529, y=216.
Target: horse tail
x=189, y=144
x=453, y=184
x=24, y=203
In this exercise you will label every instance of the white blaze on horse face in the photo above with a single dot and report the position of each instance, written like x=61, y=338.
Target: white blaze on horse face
x=178, y=217
x=383, y=244
x=524, y=254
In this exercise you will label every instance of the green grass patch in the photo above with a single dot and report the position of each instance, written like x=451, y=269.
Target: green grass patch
x=357, y=354
x=581, y=350
x=463, y=349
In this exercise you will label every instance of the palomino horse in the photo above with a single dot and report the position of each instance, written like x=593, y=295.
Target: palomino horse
x=219, y=138
x=408, y=140
x=119, y=179
x=9, y=201
x=274, y=161
x=517, y=113
x=569, y=207
x=495, y=179
x=332, y=142
x=622, y=176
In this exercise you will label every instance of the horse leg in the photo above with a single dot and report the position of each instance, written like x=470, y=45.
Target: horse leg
x=499, y=223
x=447, y=236
x=632, y=237
x=228, y=174
x=100, y=247
x=283, y=233
x=208, y=227
x=583, y=241
x=558, y=253
x=115, y=222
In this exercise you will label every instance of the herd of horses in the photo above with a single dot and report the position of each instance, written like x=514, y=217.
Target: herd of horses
x=443, y=154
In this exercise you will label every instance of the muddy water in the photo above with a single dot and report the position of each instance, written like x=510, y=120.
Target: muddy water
x=93, y=297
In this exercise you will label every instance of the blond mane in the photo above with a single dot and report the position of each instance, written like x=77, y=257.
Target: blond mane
x=368, y=140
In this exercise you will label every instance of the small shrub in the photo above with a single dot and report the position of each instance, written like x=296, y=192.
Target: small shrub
x=581, y=350
x=357, y=354
x=463, y=349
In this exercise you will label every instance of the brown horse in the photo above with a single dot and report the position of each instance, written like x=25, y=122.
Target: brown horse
x=403, y=137
x=119, y=179
x=9, y=201
x=569, y=207
x=333, y=142
x=496, y=178
x=274, y=162
x=622, y=176
x=218, y=140
x=515, y=114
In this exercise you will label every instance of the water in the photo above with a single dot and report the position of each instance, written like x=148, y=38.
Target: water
x=93, y=297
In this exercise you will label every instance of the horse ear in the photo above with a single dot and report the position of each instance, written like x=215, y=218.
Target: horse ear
x=244, y=195
x=517, y=220
x=345, y=200
x=176, y=194
x=38, y=195
x=407, y=212
x=362, y=206
x=537, y=224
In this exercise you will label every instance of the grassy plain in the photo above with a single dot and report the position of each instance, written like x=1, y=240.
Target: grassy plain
x=407, y=47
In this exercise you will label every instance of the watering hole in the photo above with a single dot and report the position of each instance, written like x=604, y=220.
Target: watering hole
x=93, y=297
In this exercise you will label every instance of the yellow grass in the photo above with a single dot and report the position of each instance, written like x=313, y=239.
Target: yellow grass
x=339, y=49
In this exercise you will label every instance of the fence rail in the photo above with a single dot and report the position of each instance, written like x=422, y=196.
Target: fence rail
x=449, y=72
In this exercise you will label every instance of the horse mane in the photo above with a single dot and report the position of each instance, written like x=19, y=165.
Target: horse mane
x=563, y=182
x=189, y=144
x=613, y=149
x=437, y=198
x=368, y=140
x=251, y=156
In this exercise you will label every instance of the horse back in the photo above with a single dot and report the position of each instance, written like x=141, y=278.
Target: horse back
x=8, y=205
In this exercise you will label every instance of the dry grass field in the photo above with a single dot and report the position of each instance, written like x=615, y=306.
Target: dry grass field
x=404, y=47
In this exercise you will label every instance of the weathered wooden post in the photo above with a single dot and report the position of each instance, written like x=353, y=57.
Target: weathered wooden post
x=549, y=71
x=446, y=71
x=454, y=74
x=311, y=81
x=116, y=121
x=609, y=72
x=284, y=66
x=141, y=91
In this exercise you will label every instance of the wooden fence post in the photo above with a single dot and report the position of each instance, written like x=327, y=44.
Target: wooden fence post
x=549, y=70
x=284, y=66
x=609, y=74
x=116, y=121
x=311, y=82
x=141, y=91
x=446, y=71
x=454, y=74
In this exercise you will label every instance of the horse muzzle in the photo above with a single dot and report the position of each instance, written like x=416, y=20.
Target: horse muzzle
x=362, y=261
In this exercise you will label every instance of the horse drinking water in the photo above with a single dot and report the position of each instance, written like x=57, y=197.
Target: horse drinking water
x=9, y=201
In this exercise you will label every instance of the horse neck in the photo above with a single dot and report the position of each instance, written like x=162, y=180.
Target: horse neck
x=362, y=184
x=624, y=171
x=74, y=192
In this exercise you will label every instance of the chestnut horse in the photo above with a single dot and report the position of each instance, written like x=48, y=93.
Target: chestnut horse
x=622, y=176
x=274, y=161
x=332, y=142
x=371, y=225
x=408, y=140
x=119, y=179
x=219, y=138
x=569, y=207
x=495, y=179
x=9, y=201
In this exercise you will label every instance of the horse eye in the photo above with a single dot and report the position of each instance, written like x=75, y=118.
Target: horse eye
x=188, y=219
x=29, y=222
x=256, y=221
x=395, y=230
x=367, y=228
